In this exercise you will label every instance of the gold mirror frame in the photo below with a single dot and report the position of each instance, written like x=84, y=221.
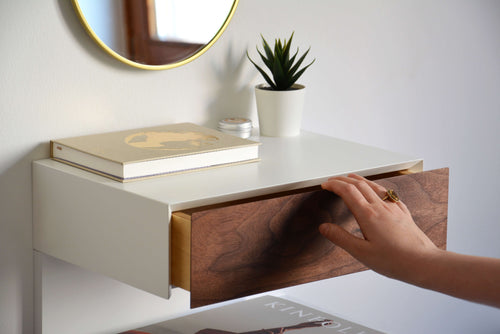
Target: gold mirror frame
x=127, y=61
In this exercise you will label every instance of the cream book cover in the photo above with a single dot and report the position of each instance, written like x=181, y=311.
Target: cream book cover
x=141, y=153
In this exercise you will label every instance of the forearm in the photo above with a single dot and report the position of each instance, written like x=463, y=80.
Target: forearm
x=394, y=246
x=468, y=277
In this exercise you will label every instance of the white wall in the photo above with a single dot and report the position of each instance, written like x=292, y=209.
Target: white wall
x=420, y=77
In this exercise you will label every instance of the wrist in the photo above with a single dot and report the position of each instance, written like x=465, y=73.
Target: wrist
x=424, y=267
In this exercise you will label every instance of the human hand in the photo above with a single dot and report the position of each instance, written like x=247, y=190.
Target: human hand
x=393, y=244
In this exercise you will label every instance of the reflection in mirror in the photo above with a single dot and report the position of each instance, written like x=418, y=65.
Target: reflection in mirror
x=155, y=34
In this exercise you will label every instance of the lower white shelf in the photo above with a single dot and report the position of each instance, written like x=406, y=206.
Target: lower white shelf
x=78, y=301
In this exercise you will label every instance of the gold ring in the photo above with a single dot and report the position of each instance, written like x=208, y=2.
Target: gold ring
x=391, y=195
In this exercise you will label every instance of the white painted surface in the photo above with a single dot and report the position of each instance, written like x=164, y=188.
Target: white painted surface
x=122, y=230
x=286, y=164
x=82, y=302
x=413, y=76
x=280, y=112
x=79, y=301
x=116, y=233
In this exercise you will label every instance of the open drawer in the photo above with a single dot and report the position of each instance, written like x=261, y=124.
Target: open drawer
x=241, y=248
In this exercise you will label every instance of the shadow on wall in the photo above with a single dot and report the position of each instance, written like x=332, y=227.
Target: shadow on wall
x=16, y=245
x=233, y=96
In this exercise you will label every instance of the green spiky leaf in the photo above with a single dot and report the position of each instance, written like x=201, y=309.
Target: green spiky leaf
x=285, y=71
x=263, y=73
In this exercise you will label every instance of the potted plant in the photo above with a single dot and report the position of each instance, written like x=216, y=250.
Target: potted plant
x=280, y=102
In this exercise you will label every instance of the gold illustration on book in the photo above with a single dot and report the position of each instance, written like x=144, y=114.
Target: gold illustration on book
x=171, y=140
x=149, y=152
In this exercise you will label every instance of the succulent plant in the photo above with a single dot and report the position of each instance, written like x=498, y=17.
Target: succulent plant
x=284, y=69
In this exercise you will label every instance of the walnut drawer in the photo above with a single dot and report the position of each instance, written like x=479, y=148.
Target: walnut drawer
x=246, y=247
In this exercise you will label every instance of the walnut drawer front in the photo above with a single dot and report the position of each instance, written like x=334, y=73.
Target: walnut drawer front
x=230, y=251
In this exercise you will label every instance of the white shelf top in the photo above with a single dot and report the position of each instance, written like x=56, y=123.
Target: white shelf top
x=286, y=164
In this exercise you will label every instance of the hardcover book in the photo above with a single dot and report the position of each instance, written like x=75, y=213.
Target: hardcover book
x=263, y=315
x=142, y=153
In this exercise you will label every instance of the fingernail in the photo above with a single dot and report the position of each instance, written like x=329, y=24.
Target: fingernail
x=323, y=228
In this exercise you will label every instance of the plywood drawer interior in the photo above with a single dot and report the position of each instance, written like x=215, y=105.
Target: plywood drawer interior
x=236, y=249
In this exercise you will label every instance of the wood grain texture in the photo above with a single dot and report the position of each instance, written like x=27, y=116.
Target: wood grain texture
x=274, y=243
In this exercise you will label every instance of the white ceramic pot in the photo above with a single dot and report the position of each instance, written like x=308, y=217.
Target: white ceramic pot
x=280, y=112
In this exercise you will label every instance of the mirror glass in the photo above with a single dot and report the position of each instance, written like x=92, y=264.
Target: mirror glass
x=155, y=34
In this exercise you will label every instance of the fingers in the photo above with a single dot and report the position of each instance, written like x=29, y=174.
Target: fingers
x=371, y=191
x=342, y=238
x=376, y=187
x=351, y=195
x=354, y=188
x=403, y=207
x=381, y=191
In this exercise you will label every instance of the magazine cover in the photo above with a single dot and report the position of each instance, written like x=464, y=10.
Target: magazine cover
x=263, y=315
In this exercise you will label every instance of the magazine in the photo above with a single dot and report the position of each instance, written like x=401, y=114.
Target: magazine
x=263, y=315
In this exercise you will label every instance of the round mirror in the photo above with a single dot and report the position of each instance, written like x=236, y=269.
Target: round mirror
x=155, y=34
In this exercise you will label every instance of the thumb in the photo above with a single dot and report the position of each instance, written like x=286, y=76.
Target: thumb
x=340, y=237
